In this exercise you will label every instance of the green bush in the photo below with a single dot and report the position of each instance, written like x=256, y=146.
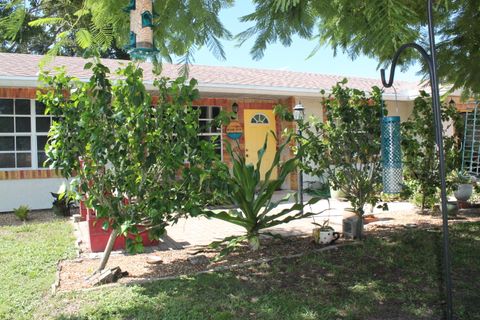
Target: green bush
x=22, y=212
x=251, y=194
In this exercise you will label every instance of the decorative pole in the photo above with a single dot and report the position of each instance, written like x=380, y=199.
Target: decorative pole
x=432, y=64
x=299, y=115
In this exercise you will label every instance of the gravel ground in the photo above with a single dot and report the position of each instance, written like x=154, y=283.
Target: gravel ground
x=35, y=216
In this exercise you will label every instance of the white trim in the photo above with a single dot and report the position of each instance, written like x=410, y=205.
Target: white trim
x=6, y=81
x=34, y=134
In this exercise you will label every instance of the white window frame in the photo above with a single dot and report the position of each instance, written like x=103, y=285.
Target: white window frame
x=33, y=134
x=210, y=118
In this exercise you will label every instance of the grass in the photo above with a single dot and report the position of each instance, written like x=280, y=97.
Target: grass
x=28, y=257
x=398, y=277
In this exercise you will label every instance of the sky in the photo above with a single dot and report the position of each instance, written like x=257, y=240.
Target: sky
x=293, y=58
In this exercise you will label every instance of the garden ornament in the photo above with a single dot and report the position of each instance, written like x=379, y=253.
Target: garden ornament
x=431, y=60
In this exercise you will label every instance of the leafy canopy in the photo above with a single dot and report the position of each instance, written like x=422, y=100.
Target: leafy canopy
x=376, y=28
x=420, y=160
x=42, y=26
x=345, y=148
x=181, y=27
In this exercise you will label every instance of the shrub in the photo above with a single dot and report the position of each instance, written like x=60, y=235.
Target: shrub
x=420, y=159
x=251, y=194
x=22, y=212
x=346, y=147
x=61, y=204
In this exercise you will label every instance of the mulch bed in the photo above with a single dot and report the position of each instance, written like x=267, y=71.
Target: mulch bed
x=74, y=273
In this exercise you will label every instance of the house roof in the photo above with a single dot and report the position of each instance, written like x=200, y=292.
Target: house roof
x=21, y=69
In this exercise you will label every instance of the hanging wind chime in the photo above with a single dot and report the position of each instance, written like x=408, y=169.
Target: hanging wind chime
x=141, y=44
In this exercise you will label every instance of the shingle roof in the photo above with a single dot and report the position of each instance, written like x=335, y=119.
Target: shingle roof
x=27, y=66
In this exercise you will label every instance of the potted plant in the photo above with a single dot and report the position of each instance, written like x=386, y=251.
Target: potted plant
x=462, y=185
x=61, y=204
x=324, y=233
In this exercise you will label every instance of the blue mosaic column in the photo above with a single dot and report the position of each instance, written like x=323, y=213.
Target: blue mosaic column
x=391, y=155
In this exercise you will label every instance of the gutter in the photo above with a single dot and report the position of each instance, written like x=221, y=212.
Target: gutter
x=32, y=82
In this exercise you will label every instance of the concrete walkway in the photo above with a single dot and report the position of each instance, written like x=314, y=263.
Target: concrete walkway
x=202, y=231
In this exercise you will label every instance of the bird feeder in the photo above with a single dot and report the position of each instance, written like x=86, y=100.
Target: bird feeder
x=391, y=155
x=141, y=29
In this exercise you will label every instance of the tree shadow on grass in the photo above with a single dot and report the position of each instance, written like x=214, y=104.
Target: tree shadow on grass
x=398, y=277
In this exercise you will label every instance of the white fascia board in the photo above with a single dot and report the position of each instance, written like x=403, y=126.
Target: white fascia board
x=29, y=82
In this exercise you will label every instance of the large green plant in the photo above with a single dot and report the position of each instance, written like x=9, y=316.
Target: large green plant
x=251, y=194
x=346, y=147
x=420, y=159
x=136, y=163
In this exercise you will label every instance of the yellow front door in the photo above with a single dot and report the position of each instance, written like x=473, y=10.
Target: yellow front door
x=259, y=124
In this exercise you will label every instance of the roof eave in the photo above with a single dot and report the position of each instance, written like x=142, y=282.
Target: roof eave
x=32, y=82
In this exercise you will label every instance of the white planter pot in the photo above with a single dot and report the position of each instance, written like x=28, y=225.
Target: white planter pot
x=337, y=194
x=463, y=192
x=325, y=236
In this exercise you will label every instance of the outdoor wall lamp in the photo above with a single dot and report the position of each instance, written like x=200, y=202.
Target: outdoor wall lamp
x=299, y=112
x=452, y=103
x=431, y=60
x=299, y=115
x=235, y=108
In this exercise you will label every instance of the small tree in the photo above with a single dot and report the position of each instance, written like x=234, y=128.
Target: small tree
x=136, y=164
x=346, y=147
x=419, y=149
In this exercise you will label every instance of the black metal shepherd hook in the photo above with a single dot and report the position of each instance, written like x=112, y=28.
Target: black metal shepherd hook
x=432, y=63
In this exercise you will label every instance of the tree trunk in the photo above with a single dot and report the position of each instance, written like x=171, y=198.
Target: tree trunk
x=423, y=202
x=108, y=250
x=360, y=227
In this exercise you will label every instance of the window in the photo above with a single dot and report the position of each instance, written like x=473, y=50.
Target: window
x=23, y=134
x=42, y=126
x=208, y=129
x=259, y=118
x=15, y=133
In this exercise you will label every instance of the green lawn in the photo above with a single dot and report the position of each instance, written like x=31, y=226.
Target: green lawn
x=28, y=257
x=392, y=278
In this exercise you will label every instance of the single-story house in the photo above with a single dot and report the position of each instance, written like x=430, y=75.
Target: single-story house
x=252, y=92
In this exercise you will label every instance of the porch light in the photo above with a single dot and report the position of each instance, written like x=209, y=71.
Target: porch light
x=452, y=103
x=299, y=112
x=235, y=108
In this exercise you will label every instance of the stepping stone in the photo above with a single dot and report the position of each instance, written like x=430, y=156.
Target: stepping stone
x=154, y=260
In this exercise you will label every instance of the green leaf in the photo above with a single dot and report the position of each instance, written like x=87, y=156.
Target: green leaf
x=46, y=21
x=83, y=38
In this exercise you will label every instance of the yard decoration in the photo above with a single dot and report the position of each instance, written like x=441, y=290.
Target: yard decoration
x=461, y=183
x=346, y=147
x=252, y=198
x=324, y=233
x=391, y=155
x=430, y=58
x=141, y=44
x=420, y=159
x=139, y=164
